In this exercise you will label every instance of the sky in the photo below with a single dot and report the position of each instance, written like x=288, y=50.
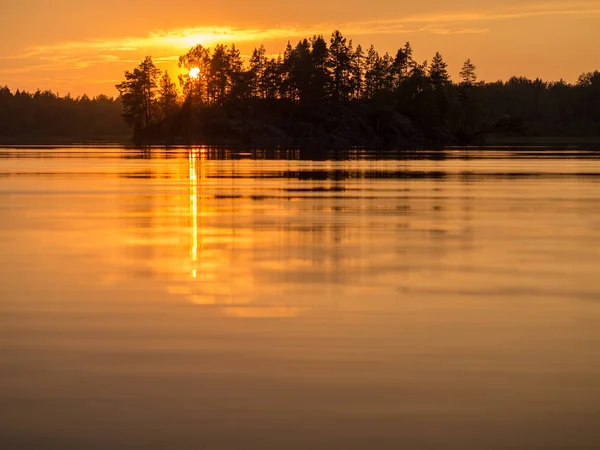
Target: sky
x=77, y=47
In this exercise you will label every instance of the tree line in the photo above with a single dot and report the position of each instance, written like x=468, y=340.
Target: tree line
x=46, y=117
x=320, y=90
x=389, y=97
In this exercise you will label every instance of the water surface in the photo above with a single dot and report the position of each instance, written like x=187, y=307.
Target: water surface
x=210, y=299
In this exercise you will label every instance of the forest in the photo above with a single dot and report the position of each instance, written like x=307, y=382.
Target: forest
x=318, y=92
x=44, y=117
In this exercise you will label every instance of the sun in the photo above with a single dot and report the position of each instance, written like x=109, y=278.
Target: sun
x=194, y=72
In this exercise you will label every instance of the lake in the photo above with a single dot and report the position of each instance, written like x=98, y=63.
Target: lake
x=218, y=299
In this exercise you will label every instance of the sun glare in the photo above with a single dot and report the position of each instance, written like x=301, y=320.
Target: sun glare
x=194, y=72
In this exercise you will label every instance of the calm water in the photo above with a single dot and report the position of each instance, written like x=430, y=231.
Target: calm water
x=176, y=301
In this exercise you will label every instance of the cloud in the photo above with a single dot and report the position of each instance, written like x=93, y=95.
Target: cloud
x=61, y=63
x=167, y=45
x=183, y=38
x=565, y=8
x=437, y=29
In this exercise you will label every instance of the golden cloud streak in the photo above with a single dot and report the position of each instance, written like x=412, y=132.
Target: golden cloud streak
x=184, y=38
x=166, y=45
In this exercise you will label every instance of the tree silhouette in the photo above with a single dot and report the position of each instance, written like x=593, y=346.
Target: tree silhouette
x=358, y=73
x=320, y=86
x=589, y=86
x=167, y=96
x=371, y=73
x=339, y=63
x=218, y=75
x=274, y=78
x=301, y=70
x=467, y=73
x=320, y=79
x=46, y=117
x=235, y=73
x=195, y=88
x=258, y=68
x=287, y=89
x=138, y=94
x=438, y=72
x=468, y=102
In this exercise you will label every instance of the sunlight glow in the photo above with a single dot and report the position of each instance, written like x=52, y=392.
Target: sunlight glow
x=194, y=72
x=193, y=208
x=263, y=312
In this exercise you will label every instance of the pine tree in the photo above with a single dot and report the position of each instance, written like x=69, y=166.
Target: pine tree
x=195, y=88
x=387, y=74
x=286, y=87
x=167, y=96
x=467, y=73
x=438, y=73
x=321, y=79
x=370, y=64
x=138, y=95
x=409, y=62
x=339, y=62
x=302, y=69
x=235, y=73
x=258, y=63
x=273, y=77
x=469, y=78
x=357, y=71
x=218, y=74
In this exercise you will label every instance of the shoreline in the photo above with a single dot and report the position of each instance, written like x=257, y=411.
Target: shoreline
x=496, y=142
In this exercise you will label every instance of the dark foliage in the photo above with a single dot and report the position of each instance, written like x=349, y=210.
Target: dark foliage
x=46, y=117
x=328, y=92
x=317, y=92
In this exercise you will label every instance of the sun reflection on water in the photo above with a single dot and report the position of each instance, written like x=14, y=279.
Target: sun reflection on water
x=193, y=210
x=196, y=172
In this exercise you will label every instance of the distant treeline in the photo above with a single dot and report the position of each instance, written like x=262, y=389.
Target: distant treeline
x=45, y=117
x=321, y=91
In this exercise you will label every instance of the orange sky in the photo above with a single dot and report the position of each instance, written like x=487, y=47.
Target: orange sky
x=84, y=46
